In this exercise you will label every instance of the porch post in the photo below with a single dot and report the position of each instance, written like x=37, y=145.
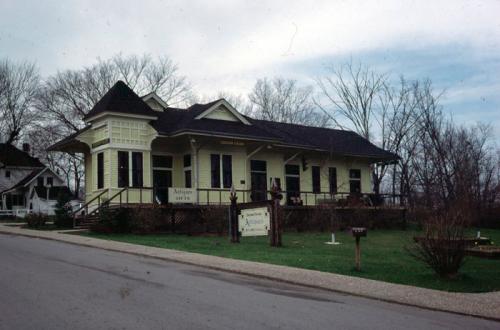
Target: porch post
x=194, y=151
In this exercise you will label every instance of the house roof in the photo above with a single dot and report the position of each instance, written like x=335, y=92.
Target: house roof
x=68, y=141
x=11, y=156
x=53, y=192
x=176, y=121
x=27, y=179
x=120, y=98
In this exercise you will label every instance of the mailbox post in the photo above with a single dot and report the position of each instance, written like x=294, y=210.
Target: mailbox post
x=358, y=232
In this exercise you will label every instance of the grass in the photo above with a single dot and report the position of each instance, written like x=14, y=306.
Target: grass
x=382, y=256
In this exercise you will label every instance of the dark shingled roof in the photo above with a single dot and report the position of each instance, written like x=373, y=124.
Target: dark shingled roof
x=53, y=192
x=174, y=121
x=67, y=140
x=120, y=98
x=11, y=156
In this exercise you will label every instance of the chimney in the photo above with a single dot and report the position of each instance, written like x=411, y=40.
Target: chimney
x=26, y=147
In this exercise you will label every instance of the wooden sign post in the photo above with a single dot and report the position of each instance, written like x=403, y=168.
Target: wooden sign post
x=233, y=217
x=358, y=232
x=276, y=215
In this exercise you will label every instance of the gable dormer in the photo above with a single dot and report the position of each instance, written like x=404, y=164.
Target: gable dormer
x=223, y=110
x=155, y=102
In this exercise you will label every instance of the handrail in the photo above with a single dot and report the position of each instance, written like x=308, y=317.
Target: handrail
x=107, y=202
x=90, y=201
x=115, y=195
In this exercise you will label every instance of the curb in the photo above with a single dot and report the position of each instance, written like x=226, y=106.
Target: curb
x=484, y=305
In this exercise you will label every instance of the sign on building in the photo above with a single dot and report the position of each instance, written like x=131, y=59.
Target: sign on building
x=254, y=222
x=182, y=195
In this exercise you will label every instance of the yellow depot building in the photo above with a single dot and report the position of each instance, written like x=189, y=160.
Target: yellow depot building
x=137, y=148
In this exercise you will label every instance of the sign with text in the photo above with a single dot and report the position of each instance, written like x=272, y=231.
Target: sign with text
x=181, y=195
x=254, y=222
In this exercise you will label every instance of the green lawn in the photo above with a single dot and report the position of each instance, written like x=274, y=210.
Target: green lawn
x=383, y=256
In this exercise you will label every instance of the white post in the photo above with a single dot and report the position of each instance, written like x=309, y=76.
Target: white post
x=195, y=172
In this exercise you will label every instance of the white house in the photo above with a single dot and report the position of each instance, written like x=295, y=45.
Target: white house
x=25, y=183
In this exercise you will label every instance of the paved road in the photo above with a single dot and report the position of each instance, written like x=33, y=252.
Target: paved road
x=53, y=285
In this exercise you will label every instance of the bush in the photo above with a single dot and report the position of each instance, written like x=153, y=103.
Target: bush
x=36, y=220
x=145, y=220
x=215, y=218
x=113, y=221
x=63, y=216
x=442, y=248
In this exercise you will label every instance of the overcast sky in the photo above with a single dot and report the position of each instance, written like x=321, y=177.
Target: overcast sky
x=227, y=45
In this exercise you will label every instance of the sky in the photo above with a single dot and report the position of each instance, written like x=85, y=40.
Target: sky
x=227, y=45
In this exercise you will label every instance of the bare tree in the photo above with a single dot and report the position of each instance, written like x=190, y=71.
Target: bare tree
x=18, y=88
x=349, y=95
x=283, y=100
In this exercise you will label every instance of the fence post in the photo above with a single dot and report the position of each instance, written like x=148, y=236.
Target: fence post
x=276, y=215
x=233, y=217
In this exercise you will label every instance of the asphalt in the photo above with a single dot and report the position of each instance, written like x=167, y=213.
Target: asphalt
x=54, y=285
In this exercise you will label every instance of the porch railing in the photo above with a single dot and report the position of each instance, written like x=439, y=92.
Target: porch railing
x=209, y=196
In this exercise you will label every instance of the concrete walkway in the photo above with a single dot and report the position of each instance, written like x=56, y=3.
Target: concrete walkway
x=477, y=304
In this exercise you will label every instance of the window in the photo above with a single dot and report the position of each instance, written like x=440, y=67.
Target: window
x=215, y=170
x=223, y=170
x=7, y=174
x=316, y=180
x=292, y=170
x=137, y=169
x=123, y=169
x=187, y=160
x=187, y=179
x=100, y=170
x=332, y=179
x=227, y=171
x=187, y=171
x=355, y=181
x=160, y=161
x=39, y=181
x=50, y=181
x=258, y=166
x=18, y=200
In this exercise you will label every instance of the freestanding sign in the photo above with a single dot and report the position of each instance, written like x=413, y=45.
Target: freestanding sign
x=254, y=222
x=182, y=195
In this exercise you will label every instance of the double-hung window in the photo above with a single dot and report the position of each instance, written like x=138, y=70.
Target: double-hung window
x=354, y=181
x=187, y=171
x=316, y=179
x=123, y=169
x=137, y=176
x=332, y=179
x=100, y=170
x=221, y=167
x=127, y=173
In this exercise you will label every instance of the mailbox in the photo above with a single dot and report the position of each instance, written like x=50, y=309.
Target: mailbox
x=359, y=231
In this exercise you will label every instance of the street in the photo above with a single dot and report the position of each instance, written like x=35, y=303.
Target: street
x=52, y=285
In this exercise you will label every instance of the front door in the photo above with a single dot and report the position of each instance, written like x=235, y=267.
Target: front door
x=292, y=174
x=162, y=180
x=258, y=180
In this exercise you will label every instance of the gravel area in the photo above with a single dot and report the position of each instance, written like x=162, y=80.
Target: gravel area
x=477, y=304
